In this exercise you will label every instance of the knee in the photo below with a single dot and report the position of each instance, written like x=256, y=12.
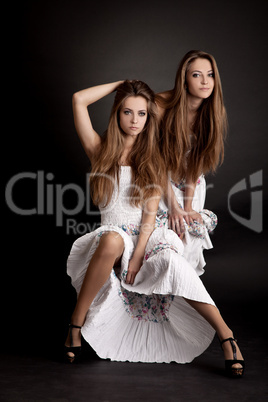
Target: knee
x=111, y=244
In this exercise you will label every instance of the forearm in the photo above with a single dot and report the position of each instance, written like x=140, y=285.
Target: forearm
x=192, y=215
x=189, y=194
x=88, y=96
x=88, y=136
x=147, y=226
x=146, y=230
x=171, y=199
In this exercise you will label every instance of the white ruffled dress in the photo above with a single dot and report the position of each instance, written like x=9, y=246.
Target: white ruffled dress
x=149, y=321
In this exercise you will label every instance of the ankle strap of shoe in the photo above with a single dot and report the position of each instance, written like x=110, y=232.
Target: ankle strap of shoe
x=228, y=339
x=74, y=326
x=232, y=340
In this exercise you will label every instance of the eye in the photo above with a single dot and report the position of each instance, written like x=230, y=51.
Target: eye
x=211, y=75
x=142, y=113
x=127, y=112
x=196, y=75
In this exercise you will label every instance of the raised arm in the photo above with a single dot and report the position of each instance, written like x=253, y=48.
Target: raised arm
x=81, y=100
x=146, y=229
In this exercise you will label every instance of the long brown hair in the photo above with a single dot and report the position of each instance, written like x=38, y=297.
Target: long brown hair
x=206, y=151
x=148, y=170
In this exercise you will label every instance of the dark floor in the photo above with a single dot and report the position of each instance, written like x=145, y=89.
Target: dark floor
x=35, y=378
x=35, y=325
x=43, y=376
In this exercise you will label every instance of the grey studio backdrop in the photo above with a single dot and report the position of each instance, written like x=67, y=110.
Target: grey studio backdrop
x=63, y=46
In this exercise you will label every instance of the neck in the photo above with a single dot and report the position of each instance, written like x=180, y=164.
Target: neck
x=128, y=143
x=193, y=103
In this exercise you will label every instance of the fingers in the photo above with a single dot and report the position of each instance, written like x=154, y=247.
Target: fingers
x=200, y=219
x=130, y=278
x=177, y=225
x=188, y=219
x=181, y=235
x=193, y=217
x=197, y=218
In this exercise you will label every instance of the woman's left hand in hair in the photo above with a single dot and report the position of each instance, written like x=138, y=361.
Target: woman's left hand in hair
x=192, y=216
x=133, y=268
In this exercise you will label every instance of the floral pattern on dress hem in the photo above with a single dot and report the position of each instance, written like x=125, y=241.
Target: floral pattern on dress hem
x=159, y=247
x=153, y=308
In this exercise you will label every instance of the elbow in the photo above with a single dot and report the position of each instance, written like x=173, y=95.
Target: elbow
x=77, y=98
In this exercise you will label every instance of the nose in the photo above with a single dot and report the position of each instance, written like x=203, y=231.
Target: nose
x=134, y=118
x=204, y=79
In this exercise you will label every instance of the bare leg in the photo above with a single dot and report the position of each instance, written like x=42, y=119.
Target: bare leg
x=214, y=318
x=110, y=249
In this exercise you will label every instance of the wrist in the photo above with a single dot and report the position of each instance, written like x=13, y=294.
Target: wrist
x=117, y=84
x=188, y=208
x=139, y=253
x=176, y=208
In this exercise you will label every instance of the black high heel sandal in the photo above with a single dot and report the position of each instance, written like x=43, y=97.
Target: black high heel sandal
x=75, y=350
x=230, y=370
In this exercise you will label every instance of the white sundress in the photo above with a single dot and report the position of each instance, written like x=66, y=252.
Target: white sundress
x=148, y=321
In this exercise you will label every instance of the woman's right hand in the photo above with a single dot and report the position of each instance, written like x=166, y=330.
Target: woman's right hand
x=176, y=220
x=133, y=268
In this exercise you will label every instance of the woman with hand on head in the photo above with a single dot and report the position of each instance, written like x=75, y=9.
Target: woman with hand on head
x=127, y=178
x=193, y=128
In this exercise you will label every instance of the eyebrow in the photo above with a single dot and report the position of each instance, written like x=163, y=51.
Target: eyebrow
x=142, y=110
x=198, y=71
